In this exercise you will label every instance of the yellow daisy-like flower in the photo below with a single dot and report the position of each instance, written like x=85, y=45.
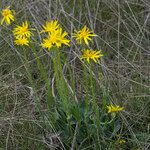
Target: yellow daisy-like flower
x=22, y=41
x=50, y=26
x=47, y=43
x=7, y=16
x=84, y=35
x=57, y=38
x=91, y=54
x=22, y=31
x=114, y=108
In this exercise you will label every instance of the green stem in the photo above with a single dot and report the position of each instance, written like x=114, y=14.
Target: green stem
x=50, y=99
x=60, y=81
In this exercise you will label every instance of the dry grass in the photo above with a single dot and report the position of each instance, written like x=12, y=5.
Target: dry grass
x=122, y=77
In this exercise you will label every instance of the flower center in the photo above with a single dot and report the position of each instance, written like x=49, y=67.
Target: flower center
x=83, y=34
x=24, y=30
x=89, y=55
x=54, y=39
x=6, y=13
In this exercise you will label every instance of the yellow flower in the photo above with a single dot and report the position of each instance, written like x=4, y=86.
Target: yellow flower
x=122, y=141
x=22, y=31
x=47, y=43
x=84, y=35
x=22, y=41
x=7, y=16
x=114, y=108
x=60, y=38
x=91, y=54
x=50, y=26
x=57, y=38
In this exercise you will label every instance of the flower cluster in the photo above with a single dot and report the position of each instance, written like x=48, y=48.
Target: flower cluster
x=83, y=36
x=55, y=35
x=22, y=34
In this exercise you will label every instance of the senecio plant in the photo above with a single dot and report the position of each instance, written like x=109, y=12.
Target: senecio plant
x=55, y=35
x=53, y=38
